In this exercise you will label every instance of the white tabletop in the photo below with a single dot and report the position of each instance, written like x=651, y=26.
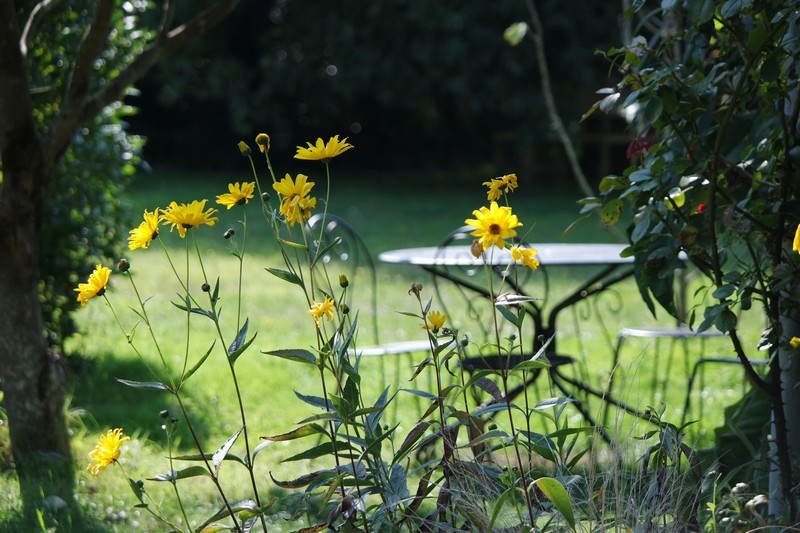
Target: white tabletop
x=547, y=254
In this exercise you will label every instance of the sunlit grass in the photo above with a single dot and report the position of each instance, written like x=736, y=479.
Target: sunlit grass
x=389, y=215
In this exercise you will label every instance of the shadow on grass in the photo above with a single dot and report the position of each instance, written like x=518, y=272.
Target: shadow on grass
x=108, y=404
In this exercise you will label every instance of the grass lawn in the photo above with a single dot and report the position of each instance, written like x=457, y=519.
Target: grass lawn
x=389, y=212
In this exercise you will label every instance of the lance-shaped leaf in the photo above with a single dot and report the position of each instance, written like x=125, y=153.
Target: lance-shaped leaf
x=208, y=457
x=302, y=431
x=285, y=275
x=199, y=363
x=412, y=437
x=556, y=493
x=153, y=385
x=304, y=480
x=214, y=528
x=174, y=475
x=233, y=356
x=326, y=448
x=314, y=401
x=187, y=306
x=223, y=450
x=490, y=387
x=238, y=342
x=244, y=505
x=294, y=354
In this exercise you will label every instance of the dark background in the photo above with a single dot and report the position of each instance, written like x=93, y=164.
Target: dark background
x=424, y=85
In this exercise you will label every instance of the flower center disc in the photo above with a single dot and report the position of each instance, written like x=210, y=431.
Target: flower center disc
x=494, y=229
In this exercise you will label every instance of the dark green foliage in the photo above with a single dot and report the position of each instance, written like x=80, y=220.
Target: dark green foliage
x=418, y=79
x=85, y=209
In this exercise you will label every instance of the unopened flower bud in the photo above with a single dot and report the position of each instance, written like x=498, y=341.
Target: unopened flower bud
x=262, y=140
x=123, y=265
x=345, y=309
x=173, y=420
x=244, y=149
x=228, y=233
x=206, y=287
x=416, y=288
x=476, y=249
x=164, y=414
x=265, y=196
x=343, y=281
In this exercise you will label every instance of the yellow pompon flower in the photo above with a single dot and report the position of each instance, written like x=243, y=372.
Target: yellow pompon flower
x=526, y=256
x=493, y=225
x=320, y=309
x=107, y=451
x=796, y=243
x=98, y=281
x=795, y=342
x=237, y=195
x=146, y=232
x=296, y=204
x=185, y=216
x=436, y=320
x=323, y=151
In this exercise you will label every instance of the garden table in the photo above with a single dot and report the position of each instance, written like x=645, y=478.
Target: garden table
x=613, y=268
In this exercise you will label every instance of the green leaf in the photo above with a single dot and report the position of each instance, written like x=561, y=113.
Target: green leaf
x=240, y=337
x=208, y=456
x=653, y=110
x=244, y=505
x=214, y=528
x=299, y=433
x=235, y=355
x=174, y=475
x=223, y=450
x=557, y=494
x=723, y=292
x=199, y=363
x=498, y=506
x=530, y=364
x=187, y=307
x=285, y=276
x=326, y=448
x=412, y=437
x=726, y=321
x=154, y=385
x=294, y=354
x=611, y=212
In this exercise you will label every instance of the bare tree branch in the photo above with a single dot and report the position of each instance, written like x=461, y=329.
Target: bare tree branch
x=173, y=40
x=37, y=14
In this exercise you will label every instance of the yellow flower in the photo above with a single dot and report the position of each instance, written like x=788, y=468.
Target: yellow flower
x=107, y=451
x=796, y=243
x=493, y=225
x=296, y=204
x=143, y=235
x=98, y=280
x=237, y=195
x=323, y=151
x=188, y=216
x=319, y=309
x=262, y=140
x=527, y=256
x=435, y=322
x=496, y=185
x=795, y=342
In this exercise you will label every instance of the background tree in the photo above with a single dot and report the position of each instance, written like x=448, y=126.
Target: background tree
x=408, y=81
x=35, y=135
x=716, y=92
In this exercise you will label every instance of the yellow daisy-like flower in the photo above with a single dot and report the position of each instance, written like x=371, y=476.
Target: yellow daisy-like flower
x=526, y=256
x=493, y=225
x=795, y=342
x=185, y=216
x=296, y=204
x=146, y=232
x=796, y=243
x=98, y=281
x=436, y=320
x=498, y=186
x=320, y=309
x=107, y=451
x=323, y=151
x=237, y=194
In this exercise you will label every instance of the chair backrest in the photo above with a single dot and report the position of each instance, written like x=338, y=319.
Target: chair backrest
x=463, y=292
x=342, y=251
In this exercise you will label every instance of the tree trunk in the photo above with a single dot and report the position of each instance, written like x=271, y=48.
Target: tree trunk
x=32, y=377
